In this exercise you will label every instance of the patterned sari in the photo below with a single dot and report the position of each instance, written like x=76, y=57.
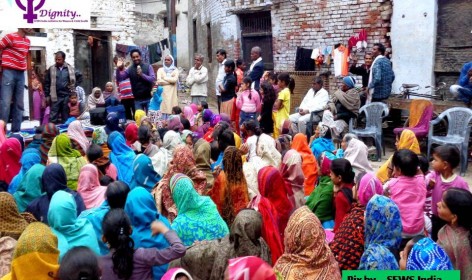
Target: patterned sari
x=11, y=222
x=456, y=243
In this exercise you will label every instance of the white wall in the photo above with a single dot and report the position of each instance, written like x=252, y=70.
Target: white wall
x=413, y=37
x=182, y=34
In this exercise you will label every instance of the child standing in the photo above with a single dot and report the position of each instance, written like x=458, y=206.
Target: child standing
x=343, y=180
x=445, y=159
x=268, y=99
x=282, y=104
x=74, y=106
x=228, y=88
x=248, y=101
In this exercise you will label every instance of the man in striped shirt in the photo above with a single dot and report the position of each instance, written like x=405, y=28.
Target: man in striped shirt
x=14, y=48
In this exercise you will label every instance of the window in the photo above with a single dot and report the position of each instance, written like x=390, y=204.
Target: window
x=209, y=44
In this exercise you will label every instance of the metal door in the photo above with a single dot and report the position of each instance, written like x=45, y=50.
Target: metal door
x=256, y=30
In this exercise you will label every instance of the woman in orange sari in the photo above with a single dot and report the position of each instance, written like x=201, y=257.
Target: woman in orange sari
x=309, y=163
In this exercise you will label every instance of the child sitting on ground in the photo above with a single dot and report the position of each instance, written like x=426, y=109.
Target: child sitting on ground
x=198, y=118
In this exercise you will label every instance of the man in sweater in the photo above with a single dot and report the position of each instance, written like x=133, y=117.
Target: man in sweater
x=197, y=79
x=14, y=48
x=381, y=76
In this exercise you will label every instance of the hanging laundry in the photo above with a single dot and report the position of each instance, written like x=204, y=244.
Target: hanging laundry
x=362, y=39
x=154, y=53
x=165, y=44
x=327, y=54
x=303, y=61
x=340, y=57
x=352, y=42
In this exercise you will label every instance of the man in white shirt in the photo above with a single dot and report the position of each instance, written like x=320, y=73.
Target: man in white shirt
x=315, y=100
x=197, y=79
x=221, y=59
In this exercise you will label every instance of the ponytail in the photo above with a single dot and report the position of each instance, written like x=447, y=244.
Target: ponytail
x=291, y=85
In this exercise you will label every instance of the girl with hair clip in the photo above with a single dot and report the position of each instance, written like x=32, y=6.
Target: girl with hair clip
x=282, y=104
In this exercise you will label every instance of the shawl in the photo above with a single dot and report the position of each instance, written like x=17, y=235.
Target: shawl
x=3, y=132
x=108, y=94
x=131, y=134
x=357, y=154
x=349, y=99
x=383, y=229
x=368, y=187
x=202, y=153
x=455, y=241
x=50, y=132
x=144, y=174
x=61, y=152
x=89, y=187
x=267, y=151
x=10, y=153
x=121, y=156
x=112, y=123
x=36, y=253
x=92, y=101
x=7, y=247
x=208, y=260
x=194, y=108
x=11, y=222
x=138, y=116
x=189, y=115
x=30, y=187
x=309, y=164
x=252, y=266
x=182, y=162
x=198, y=217
x=160, y=161
x=169, y=69
x=321, y=144
x=29, y=158
x=307, y=254
x=427, y=255
x=417, y=112
x=172, y=273
x=76, y=132
x=142, y=211
x=250, y=170
x=320, y=200
x=407, y=141
x=292, y=172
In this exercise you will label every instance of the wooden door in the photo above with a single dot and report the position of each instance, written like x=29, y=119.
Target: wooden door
x=256, y=30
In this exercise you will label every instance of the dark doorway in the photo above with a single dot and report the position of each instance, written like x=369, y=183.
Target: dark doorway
x=92, y=58
x=256, y=30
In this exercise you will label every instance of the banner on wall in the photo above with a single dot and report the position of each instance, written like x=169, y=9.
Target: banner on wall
x=45, y=14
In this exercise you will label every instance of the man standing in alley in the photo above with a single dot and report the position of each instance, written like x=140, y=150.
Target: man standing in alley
x=256, y=70
x=59, y=83
x=197, y=79
x=381, y=76
x=221, y=59
x=14, y=48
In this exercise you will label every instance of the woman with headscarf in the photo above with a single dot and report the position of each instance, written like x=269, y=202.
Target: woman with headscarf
x=167, y=77
x=36, y=253
x=139, y=115
x=266, y=150
x=121, y=156
x=408, y=141
x=10, y=154
x=77, y=137
x=357, y=154
x=427, y=255
x=54, y=179
x=50, y=131
x=207, y=116
x=144, y=174
x=171, y=141
x=244, y=239
x=141, y=209
x=96, y=157
x=100, y=137
x=292, y=172
x=29, y=158
x=251, y=169
x=230, y=192
x=20, y=139
x=11, y=222
x=131, y=136
x=96, y=97
x=348, y=243
x=182, y=162
x=252, y=266
x=30, y=187
x=89, y=186
x=70, y=231
x=383, y=235
x=112, y=124
x=189, y=115
x=321, y=141
x=307, y=254
x=7, y=247
x=198, y=218
x=173, y=123
x=62, y=152
x=309, y=163
x=202, y=153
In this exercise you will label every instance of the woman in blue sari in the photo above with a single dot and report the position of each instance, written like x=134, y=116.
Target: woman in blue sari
x=121, y=156
x=29, y=158
x=321, y=141
x=144, y=174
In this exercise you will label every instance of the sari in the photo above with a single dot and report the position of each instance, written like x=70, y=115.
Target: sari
x=252, y=266
x=357, y=154
x=70, y=231
x=320, y=145
x=202, y=153
x=131, y=134
x=76, y=133
x=267, y=150
x=427, y=255
x=307, y=254
x=36, y=253
x=89, y=187
x=142, y=211
x=61, y=152
x=29, y=158
x=7, y=247
x=383, y=234
x=10, y=153
x=309, y=164
x=292, y=172
x=12, y=224
x=320, y=200
x=30, y=187
x=50, y=131
x=92, y=101
x=143, y=173
x=121, y=156
x=407, y=141
x=198, y=218
x=251, y=170
x=189, y=115
x=456, y=243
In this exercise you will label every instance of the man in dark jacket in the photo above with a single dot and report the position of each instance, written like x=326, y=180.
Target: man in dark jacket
x=256, y=70
x=59, y=83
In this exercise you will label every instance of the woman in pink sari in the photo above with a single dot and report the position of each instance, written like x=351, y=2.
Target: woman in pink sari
x=89, y=186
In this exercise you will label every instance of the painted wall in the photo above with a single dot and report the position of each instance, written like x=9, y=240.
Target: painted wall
x=413, y=39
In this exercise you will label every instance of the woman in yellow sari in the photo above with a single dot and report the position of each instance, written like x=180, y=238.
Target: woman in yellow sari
x=408, y=141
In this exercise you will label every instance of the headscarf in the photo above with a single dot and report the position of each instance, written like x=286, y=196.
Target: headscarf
x=138, y=116
x=427, y=255
x=368, y=187
x=112, y=123
x=121, y=156
x=250, y=268
x=89, y=186
x=292, y=172
x=3, y=132
x=29, y=158
x=11, y=222
x=357, y=154
x=189, y=115
x=185, y=133
x=144, y=174
x=36, y=253
x=171, y=140
x=383, y=229
x=141, y=209
x=131, y=134
x=99, y=136
x=20, y=139
x=307, y=255
x=10, y=154
x=169, y=69
x=50, y=132
x=70, y=231
x=92, y=101
x=172, y=273
x=194, y=108
x=108, y=94
x=173, y=123
x=207, y=115
x=215, y=119
x=309, y=164
x=407, y=141
x=267, y=151
x=198, y=218
x=349, y=81
x=321, y=199
x=251, y=170
x=455, y=241
x=30, y=187
x=202, y=153
x=76, y=132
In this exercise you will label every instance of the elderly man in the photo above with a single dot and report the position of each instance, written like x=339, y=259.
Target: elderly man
x=382, y=76
x=315, y=100
x=256, y=70
x=463, y=91
x=197, y=79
